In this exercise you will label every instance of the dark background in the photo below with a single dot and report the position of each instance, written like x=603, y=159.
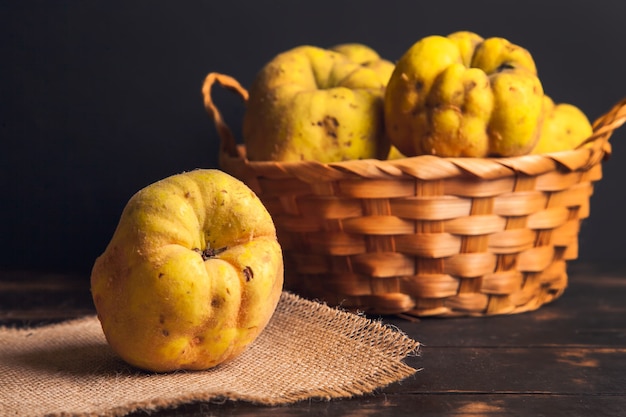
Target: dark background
x=101, y=98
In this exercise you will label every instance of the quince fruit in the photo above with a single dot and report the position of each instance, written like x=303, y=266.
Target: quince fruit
x=311, y=103
x=367, y=57
x=462, y=95
x=394, y=153
x=564, y=128
x=192, y=274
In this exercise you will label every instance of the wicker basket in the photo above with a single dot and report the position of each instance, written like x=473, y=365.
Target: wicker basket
x=426, y=236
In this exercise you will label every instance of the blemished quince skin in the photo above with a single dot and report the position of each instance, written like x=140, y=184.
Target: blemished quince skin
x=463, y=95
x=564, y=128
x=368, y=57
x=192, y=274
x=317, y=104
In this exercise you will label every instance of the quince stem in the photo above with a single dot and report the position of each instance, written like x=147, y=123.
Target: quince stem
x=209, y=253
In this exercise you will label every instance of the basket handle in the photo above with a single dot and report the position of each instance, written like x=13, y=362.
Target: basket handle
x=604, y=125
x=229, y=144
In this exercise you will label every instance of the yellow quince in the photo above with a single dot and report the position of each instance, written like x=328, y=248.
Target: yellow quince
x=462, y=95
x=192, y=274
x=311, y=103
x=564, y=128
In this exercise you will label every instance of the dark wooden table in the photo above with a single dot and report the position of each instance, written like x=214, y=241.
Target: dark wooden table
x=566, y=359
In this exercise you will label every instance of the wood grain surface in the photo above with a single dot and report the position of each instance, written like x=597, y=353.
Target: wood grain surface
x=566, y=359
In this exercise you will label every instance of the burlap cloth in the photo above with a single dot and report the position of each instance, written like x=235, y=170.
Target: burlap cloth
x=308, y=350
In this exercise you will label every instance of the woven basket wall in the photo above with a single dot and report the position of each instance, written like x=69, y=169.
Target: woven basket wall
x=426, y=236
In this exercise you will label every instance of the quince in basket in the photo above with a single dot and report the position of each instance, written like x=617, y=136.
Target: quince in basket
x=462, y=95
x=311, y=103
x=565, y=127
x=192, y=274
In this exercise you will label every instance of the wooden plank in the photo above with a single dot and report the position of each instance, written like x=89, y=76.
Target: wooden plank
x=25, y=280
x=555, y=370
x=422, y=405
x=35, y=298
x=557, y=324
x=32, y=317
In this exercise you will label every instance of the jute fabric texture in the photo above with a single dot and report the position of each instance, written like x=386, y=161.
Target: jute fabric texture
x=308, y=351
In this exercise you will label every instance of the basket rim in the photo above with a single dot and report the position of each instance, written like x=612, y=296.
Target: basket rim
x=590, y=152
x=423, y=167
